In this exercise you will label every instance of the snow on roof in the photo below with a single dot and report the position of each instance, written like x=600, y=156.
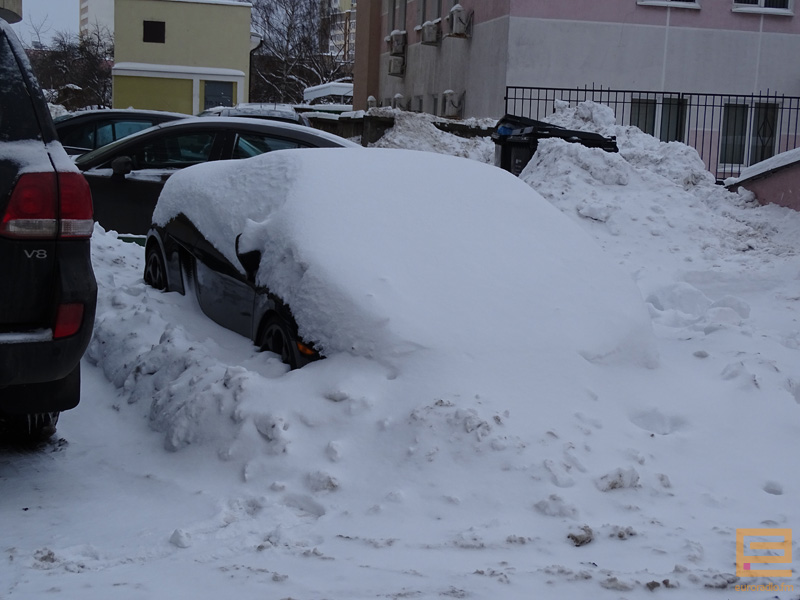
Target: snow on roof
x=121, y=67
x=224, y=2
x=776, y=162
x=327, y=89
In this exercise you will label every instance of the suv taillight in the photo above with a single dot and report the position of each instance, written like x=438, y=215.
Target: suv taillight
x=49, y=205
x=76, y=206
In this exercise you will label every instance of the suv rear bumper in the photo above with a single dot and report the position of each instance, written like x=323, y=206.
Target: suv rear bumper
x=38, y=373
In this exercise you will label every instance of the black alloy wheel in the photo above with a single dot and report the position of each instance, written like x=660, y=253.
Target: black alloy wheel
x=277, y=337
x=155, y=270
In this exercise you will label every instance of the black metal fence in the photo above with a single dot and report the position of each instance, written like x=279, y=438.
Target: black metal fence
x=729, y=131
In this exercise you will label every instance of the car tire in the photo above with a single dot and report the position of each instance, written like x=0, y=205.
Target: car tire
x=155, y=268
x=278, y=336
x=29, y=429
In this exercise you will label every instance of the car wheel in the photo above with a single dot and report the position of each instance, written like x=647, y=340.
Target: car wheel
x=155, y=270
x=29, y=429
x=277, y=336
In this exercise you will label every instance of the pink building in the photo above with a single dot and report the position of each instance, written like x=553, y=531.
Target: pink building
x=421, y=49
x=458, y=59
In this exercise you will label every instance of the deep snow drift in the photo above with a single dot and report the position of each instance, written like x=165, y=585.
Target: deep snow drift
x=352, y=478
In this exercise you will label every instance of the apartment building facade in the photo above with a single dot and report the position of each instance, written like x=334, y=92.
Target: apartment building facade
x=96, y=14
x=719, y=46
x=342, y=42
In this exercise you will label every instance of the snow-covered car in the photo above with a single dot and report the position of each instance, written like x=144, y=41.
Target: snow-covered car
x=48, y=293
x=127, y=176
x=285, y=113
x=384, y=253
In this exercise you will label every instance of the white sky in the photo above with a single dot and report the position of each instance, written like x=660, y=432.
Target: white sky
x=52, y=15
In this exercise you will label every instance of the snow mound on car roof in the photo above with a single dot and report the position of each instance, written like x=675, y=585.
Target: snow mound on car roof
x=390, y=253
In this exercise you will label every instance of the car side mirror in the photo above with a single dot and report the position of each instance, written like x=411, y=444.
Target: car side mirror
x=122, y=165
x=249, y=260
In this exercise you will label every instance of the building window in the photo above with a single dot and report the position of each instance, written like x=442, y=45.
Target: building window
x=643, y=115
x=734, y=134
x=762, y=142
x=397, y=15
x=670, y=3
x=217, y=93
x=154, y=32
x=759, y=121
x=671, y=120
x=770, y=6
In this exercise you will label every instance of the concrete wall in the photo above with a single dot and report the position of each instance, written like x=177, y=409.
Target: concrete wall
x=474, y=68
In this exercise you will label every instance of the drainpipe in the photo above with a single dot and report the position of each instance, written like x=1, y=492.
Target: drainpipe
x=758, y=54
x=666, y=52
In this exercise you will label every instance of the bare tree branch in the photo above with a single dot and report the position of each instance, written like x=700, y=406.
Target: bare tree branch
x=295, y=51
x=77, y=69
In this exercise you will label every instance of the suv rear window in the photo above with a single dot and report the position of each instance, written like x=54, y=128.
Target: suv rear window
x=17, y=119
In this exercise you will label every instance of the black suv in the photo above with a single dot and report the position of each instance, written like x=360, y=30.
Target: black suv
x=48, y=291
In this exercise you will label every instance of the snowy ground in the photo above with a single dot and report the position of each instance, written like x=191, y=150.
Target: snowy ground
x=196, y=467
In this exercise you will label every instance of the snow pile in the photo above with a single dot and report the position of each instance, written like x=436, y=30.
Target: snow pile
x=493, y=465
x=417, y=131
x=57, y=110
x=653, y=205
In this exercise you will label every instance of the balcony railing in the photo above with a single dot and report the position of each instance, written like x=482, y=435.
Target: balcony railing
x=729, y=131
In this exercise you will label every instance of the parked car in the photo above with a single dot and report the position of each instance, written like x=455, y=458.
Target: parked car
x=83, y=131
x=255, y=110
x=419, y=255
x=127, y=176
x=48, y=295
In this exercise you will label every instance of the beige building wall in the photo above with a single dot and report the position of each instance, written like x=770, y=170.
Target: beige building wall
x=203, y=41
x=150, y=93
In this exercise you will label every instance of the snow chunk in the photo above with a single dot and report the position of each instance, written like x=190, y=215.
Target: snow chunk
x=618, y=479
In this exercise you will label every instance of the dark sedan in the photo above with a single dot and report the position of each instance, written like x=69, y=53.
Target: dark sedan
x=87, y=130
x=126, y=176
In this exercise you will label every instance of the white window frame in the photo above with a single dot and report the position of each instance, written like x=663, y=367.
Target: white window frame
x=749, y=133
x=690, y=4
x=761, y=9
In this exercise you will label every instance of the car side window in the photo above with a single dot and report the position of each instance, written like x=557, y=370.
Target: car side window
x=174, y=151
x=252, y=144
x=104, y=135
x=79, y=137
x=125, y=128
